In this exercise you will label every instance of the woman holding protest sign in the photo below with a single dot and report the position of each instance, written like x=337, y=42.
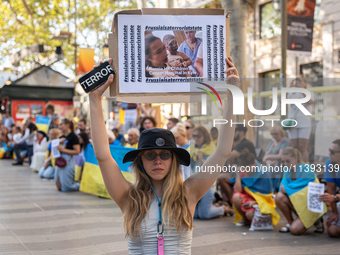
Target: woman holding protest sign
x=158, y=207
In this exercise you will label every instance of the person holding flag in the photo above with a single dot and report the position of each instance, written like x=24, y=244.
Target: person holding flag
x=292, y=195
x=252, y=187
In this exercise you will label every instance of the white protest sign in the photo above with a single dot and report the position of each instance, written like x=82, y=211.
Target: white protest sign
x=314, y=191
x=157, y=53
x=55, y=151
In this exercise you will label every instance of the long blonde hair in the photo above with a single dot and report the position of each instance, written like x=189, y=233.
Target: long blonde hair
x=175, y=210
x=293, y=152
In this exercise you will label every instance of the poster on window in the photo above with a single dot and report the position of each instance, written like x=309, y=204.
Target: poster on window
x=300, y=22
x=164, y=53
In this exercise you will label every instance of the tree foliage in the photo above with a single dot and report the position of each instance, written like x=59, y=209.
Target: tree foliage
x=26, y=22
x=270, y=21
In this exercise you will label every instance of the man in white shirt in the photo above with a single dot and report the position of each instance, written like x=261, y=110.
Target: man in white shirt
x=112, y=122
x=8, y=121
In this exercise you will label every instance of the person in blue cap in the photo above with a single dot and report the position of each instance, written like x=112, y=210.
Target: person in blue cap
x=158, y=207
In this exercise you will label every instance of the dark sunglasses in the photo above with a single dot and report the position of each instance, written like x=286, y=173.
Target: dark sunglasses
x=152, y=156
x=286, y=161
x=187, y=127
x=333, y=151
x=197, y=136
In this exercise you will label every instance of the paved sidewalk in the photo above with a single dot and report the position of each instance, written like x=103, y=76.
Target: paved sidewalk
x=37, y=219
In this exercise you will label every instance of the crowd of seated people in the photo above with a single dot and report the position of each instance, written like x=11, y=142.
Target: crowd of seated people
x=236, y=193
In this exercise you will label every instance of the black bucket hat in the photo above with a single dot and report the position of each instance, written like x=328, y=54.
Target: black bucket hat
x=158, y=138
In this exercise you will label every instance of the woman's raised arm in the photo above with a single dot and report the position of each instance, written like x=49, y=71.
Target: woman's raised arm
x=115, y=183
x=199, y=183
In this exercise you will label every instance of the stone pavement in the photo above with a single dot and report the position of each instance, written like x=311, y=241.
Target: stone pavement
x=35, y=218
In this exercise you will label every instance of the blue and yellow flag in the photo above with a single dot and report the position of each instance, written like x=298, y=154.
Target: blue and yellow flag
x=42, y=123
x=3, y=149
x=79, y=163
x=92, y=180
x=260, y=187
x=297, y=192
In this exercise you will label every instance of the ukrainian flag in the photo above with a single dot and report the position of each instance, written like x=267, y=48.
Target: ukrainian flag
x=297, y=192
x=92, y=180
x=3, y=149
x=79, y=163
x=260, y=187
x=42, y=123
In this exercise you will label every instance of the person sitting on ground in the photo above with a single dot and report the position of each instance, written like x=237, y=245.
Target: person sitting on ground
x=4, y=141
x=40, y=149
x=199, y=153
x=9, y=150
x=47, y=170
x=4, y=136
x=82, y=126
x=189, y=126
x=133, y=136
x=8, y=121
x=17, y=134
x=273, y=154
x=274, y=150
x=214, y=135
x=240, y=143
x=171, y=123
x=88, y=132
x=120, y=140
x=10, y=135
x=111, y=136
x=54, y=123
x=80, y=158
x=25, y=143
x=146, y=123
x=252, y=187
x=292, y=196
x=69, y=146
x=182, y=142
x=332, y=177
